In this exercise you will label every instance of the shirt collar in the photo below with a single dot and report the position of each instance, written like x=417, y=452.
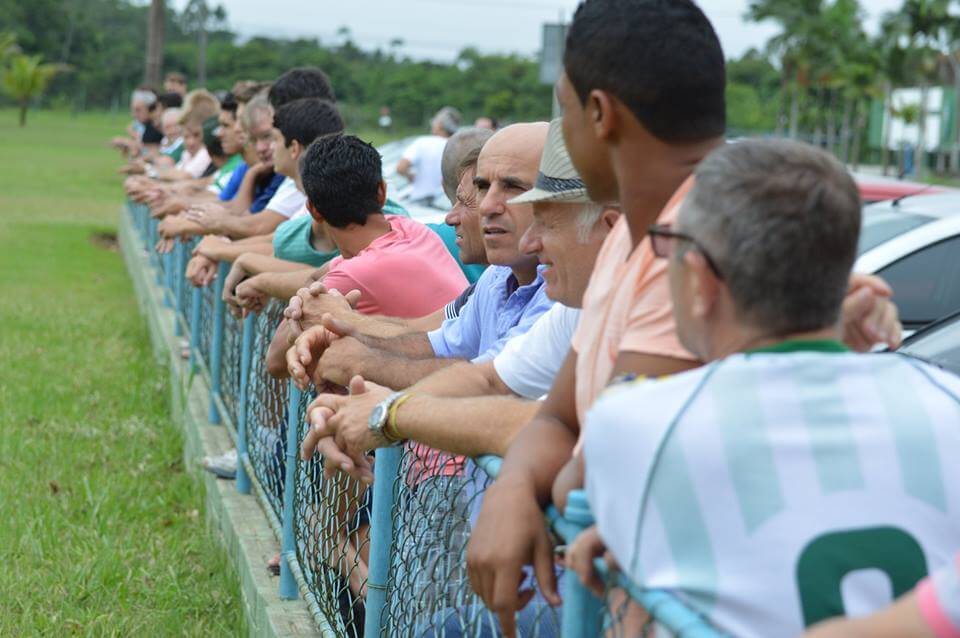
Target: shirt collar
x=802, y=345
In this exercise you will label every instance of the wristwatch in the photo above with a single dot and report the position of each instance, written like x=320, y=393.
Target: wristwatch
x=380, y=417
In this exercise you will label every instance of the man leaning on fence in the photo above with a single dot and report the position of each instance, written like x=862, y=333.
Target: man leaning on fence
x=787, y=456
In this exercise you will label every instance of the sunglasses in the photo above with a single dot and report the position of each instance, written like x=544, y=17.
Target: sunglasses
x=662, y=237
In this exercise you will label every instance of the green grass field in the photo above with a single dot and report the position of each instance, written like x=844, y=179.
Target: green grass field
x=103, y=531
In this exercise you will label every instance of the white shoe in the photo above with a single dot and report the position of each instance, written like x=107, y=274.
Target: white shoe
x=224, y=465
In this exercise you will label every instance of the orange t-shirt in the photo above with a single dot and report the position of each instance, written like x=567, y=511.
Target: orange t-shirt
x=626, y=307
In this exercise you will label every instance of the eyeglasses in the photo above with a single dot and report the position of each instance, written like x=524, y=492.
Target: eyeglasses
x=662, y=238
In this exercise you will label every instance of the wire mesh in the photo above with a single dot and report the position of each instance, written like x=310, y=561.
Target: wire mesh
x=230, y=365
x=205, y=341
x=629, y=612
x=331, y=528
x=436, y=497
x=267, y=413
x=183, y=286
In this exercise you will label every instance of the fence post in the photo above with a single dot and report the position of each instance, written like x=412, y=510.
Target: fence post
x=581, y=609
x=216, y=344
x=154, y=256
x=246, y=354
x=180, y=252
x=381, y=538
x=169, y=264
x=288, y=585
x=196, y=300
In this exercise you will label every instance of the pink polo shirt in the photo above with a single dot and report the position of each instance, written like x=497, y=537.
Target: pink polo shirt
x=406, y=273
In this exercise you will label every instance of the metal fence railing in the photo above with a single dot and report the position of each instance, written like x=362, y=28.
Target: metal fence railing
x=386, y=560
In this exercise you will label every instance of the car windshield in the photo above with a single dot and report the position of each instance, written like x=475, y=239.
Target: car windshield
x=883, y=224
x=940, y=346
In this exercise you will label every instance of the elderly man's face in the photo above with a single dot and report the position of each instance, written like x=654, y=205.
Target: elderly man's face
x=171, y=128
x=140, y=111
x=507, y=167
x=261, y=136
x=465, y=219
x=555, y=239
x=230, y=133
x=691, y=305
x=587, y=153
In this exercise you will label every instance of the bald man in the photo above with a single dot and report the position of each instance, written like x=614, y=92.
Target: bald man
x=507, y=300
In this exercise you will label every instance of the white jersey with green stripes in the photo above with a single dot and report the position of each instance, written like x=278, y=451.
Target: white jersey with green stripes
x=772, y=490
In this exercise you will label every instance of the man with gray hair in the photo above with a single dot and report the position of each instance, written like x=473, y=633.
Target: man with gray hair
x=754, y=486
x=421, y=162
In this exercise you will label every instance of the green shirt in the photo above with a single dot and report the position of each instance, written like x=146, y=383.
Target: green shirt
x=222, y=176
x=449, y=236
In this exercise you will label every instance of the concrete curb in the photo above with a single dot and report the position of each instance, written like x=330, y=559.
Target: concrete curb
x=238, y=520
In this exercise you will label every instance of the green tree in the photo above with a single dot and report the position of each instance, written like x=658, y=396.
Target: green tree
x=27, y=77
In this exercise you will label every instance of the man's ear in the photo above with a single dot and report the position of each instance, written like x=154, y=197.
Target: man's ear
x=295, y=150
x=382, y=194
x=314, y=212
x=703, y=285
x=610, y=217
x=601, y=111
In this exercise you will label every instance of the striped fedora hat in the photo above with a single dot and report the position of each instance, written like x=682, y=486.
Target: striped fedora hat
x=558, y=180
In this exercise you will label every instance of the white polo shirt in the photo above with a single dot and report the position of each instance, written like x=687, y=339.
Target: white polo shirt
x=529, y=363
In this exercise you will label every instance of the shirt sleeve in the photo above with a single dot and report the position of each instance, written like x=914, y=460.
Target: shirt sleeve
x=530, y=362
x=263, y=198
x=650, y=326
x=459, y=337
x=412, y=152
x=939, y=600
x=287, y=200
x=233, y=186
x=538, y=305
x=340, y=280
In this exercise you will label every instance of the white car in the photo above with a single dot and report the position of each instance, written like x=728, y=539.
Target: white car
x=937, y=344
x=914, y=244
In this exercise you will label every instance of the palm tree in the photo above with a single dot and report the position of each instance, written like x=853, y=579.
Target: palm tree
x=26, y=78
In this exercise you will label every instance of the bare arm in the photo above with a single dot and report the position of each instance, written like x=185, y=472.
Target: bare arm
x=403, y=168
x=492, y=422
x=348, y=356
x=464, y=380
x=220, y=250
x=425, y=324
x=262, y=223
x=902, y=620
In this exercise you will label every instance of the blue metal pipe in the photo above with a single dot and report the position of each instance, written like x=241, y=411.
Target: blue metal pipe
x=246, y=354
x=288, y=584
x=381, y=538
x=196, y=301
x=179, y=253
x=216, y=344
x=581, y=609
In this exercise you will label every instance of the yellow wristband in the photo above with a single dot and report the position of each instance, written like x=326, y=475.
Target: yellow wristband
x=390, y=431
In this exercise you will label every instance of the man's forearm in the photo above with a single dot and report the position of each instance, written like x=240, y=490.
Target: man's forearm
x=255, y=263
x=413, y=345
x=283, y=285
x=439, y=422
x=397, y=371
x=244, y=197
x=277, y=352
x=250, y=225
x=463, y=380
x=231, y=250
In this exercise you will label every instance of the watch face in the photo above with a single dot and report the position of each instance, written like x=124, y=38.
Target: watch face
x=377, y=417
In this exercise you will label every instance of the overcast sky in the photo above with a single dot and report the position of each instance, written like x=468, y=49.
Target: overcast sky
x=438, y=29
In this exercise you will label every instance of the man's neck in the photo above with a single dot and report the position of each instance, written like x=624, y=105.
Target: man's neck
x=354, y=238
x=525, y=272
x=320, y=239
x=746, y=340
x=648, y=180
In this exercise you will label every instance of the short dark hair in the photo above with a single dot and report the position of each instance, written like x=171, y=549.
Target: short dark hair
x=782, y=221
x=229, y=103
x=177, y=77
x=171, y=100
x=341, y=177
x=307, y=119
x=298, y=83
x=660, y=58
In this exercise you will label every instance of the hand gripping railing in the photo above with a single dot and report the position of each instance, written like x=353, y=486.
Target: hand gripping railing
x=388, y=559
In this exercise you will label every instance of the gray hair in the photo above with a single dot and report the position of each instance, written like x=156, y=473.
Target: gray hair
x=586, y=219
x=449, y=119
x=149, y=98
x=781, y=220
x=256, y=108
x=460, y=154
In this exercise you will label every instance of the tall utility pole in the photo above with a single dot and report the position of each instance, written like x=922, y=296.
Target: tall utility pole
x=153, y=68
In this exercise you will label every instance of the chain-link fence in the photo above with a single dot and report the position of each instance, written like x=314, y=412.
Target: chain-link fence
x=363, y=573
x=331, y=518
x=266, y=408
